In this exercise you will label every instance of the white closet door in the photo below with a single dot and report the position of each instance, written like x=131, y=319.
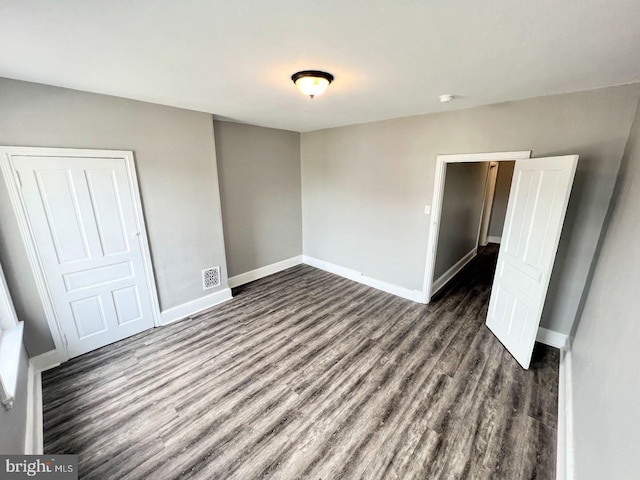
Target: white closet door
x=82, y=217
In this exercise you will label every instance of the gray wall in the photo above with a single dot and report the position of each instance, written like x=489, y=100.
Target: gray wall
x=501, y=198
x=365, y=186
x=13, y=423
x=259, y=171
x=462, y=205
x=605, y=352
x=175, y=158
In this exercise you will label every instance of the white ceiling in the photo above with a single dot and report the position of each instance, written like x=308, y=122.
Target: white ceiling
x=390, y=58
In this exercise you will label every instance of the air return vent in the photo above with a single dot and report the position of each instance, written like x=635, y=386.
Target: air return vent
x=210, y=278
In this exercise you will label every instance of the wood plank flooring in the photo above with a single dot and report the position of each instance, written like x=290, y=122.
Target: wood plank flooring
x=306, y=375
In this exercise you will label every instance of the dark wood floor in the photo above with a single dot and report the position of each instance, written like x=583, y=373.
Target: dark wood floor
x=308, y=375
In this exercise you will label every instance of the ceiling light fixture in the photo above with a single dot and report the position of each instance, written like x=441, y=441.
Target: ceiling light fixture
x=312, y=82
x=446, y=98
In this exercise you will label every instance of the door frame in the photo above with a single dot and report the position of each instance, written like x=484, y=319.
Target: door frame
x=12, y=182
x=487, y=206
x=438, y=195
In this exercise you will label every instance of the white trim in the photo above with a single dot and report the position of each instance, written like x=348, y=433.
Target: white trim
x=453, y=271
x=185, y=310
x=7, y=167
x=143, y=239
x=8, y=317
x=47, y=360
x=565, y=467
x=11, y=348
x=432, y=243
x=492, y=239
x=265, y=271
x=414, y=295
x=564, y=449
x=551, y=338
x=436, y=203
x=487, y=203
x=33, y=440
x=485, y=157
x=34, y=437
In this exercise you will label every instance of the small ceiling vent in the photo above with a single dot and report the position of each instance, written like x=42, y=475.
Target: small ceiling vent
x=210, y=278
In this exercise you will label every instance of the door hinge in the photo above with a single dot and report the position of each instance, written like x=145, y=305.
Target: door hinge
x=65, y=340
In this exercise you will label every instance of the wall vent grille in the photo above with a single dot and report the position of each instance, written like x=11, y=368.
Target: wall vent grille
x=210, y=278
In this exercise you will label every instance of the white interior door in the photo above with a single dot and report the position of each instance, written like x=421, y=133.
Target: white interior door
x=535, y=214
x=82, y=218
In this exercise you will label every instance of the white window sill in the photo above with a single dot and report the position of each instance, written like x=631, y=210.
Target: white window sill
x=10, y=352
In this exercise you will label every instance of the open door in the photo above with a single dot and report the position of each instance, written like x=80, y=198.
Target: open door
x=535, y=214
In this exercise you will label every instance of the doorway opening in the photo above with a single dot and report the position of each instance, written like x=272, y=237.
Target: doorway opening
x=473, y=211
x=479, y=163
x=535, y=213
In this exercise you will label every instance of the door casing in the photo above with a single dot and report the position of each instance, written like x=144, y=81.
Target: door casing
x=7, y=154
x=489, y=194
x=436, y=203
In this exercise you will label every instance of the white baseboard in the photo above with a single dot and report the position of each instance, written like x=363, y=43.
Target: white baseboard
x=453, y=271
x=265, y=271
x=414, y=295
x=491, y=239
x=551, y=338
x=565, y=450
x=185, y=310
x=33, y=440
x=47, y=360
x=11, y=354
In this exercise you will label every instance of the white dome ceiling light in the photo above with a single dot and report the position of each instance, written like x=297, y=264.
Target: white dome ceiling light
x=312, y=82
